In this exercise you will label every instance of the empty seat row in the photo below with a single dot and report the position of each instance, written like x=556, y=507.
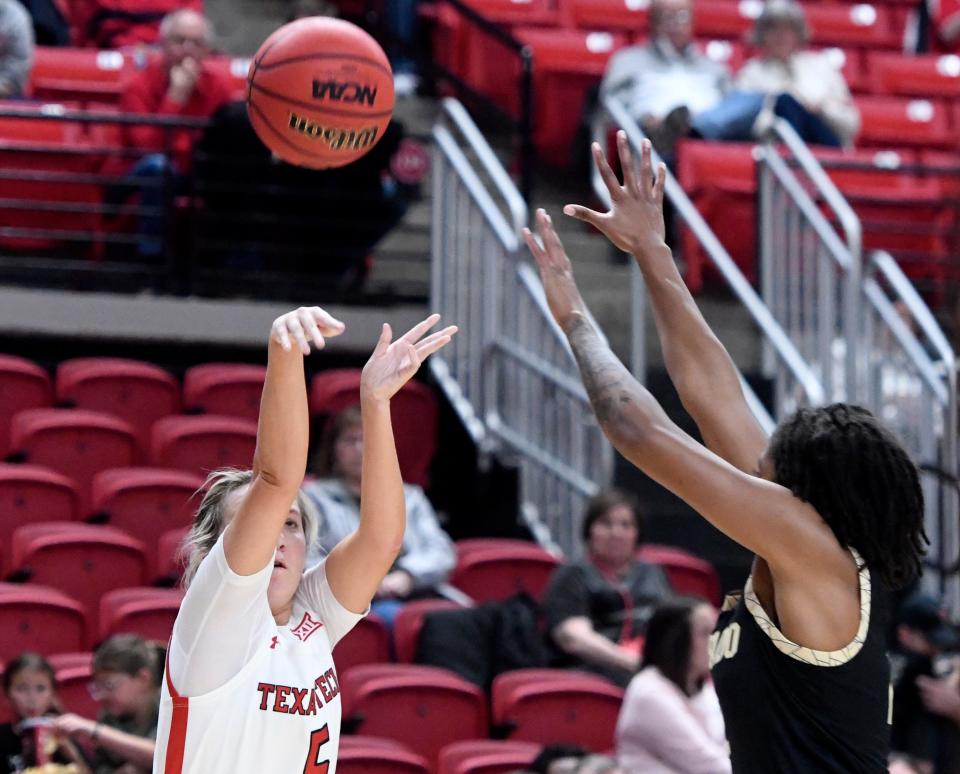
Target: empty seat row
x=145, y=396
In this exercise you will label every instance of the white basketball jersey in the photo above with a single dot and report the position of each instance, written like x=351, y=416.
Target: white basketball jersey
x=280, y=713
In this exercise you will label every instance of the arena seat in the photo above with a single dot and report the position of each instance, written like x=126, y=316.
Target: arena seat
x=409, y=622
x=23, y=385
x=424, y=707
x=82, y=560
x=143, y=610
x=511, y=12
x=137, y=392
x=499, y=573
x=360, y=759
x=234, y=70
x=170, y=561
x=228, y=389
x=893, y=122
x=725, y=18
x=145, y=502
x=46, y=618
x=860, y=25
x=556, y=706
x=204, y=443
x=366, y=643
x=76, y=443
x=688, y=574
x=486, y=756
x=413, y=410
x=631, y=17
x=74, y=671
x=720, y=178
x=32, y=495
x=917, y=75
x=78, y=74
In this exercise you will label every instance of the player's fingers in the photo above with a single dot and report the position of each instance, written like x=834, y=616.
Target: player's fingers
x=425, y=345
x=420, y=328
x=660, y=183
x=296, y=331
x=583, y=213
x=310, y=328
x=606, y=173
x=626, y=164
x=533, y=244
x=551, y=240
x=384, y=341
x=280, y=332
x=326, y=322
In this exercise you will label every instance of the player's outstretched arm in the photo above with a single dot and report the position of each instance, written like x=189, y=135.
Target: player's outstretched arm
x=280, y=460
x=699, y=365
x=360, y=561
x=762, y=516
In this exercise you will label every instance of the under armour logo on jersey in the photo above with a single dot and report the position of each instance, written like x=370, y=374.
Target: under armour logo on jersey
x=274, y=641
x=305, y=628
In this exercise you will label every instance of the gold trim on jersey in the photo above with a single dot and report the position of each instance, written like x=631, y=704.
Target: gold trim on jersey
x=826, y=658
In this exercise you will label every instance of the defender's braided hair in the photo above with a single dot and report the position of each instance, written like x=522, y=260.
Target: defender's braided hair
x=861, y=481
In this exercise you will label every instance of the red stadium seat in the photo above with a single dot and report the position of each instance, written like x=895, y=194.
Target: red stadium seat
x=375, y=759
x=147, y=611
x=409, y=622
x=45, y=620
x=78, y=74
x=31, y=495
x=205, y=443
x=486, y=756
x=423, y=707
x=82, y=560
x=137, y=392
x=234, y=70
x=929, y=75
x=413, y=409
x=170, y=558
x=499, y=573
x=228, y=389
x=630, y=17
x=688, y=574
x=76, y=443
x=892, y=122
x=542, y=12
x=862, y=25
x=564, y=707
x=720, y=178
x=74, y=672
x=23, y=385
x=146, y=502
x=725, y=18
x=367, y=643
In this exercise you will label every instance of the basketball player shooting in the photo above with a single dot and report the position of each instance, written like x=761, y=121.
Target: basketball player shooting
x=831, y=507
x=250, y=684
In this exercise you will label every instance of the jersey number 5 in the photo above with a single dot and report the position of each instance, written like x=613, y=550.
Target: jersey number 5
x=314, y=765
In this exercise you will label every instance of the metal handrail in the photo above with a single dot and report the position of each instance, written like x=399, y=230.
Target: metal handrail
x=720, y=258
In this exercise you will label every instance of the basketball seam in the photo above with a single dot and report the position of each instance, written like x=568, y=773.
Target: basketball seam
x=310, y=57
x=311, y=106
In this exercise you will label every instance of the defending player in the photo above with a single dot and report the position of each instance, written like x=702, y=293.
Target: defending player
x=250, y=685
x=831, y=507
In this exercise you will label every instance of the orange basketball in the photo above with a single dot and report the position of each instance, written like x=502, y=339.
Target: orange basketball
x=320, y=92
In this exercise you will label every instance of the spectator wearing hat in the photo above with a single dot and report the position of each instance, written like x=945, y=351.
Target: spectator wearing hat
x=919, y=736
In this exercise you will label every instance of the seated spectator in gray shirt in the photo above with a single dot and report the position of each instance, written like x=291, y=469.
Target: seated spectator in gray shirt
x=427, y=556
x=666, y=81
x=16, y=49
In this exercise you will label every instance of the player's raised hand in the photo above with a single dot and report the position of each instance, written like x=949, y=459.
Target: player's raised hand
x=556, y=272
x=393, y=363
x=303, y=327
x=634, y=222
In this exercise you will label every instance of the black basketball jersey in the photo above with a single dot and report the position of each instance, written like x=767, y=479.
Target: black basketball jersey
x=790, y=709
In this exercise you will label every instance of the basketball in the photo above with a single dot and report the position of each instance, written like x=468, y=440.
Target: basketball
x=320, y=92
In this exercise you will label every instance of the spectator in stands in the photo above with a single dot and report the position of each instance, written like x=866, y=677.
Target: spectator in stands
x=126, y=681
x=427, y=556
x=670, y=720
x=30, y=686
x=597, y=609
x=178, y=84
x=571, y=759
x=941, y=696
x=16, y=49
x=666, y=81
x=923, y=637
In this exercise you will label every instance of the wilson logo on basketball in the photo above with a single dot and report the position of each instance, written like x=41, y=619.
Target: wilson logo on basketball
x=348, y=91
x=336, y=139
